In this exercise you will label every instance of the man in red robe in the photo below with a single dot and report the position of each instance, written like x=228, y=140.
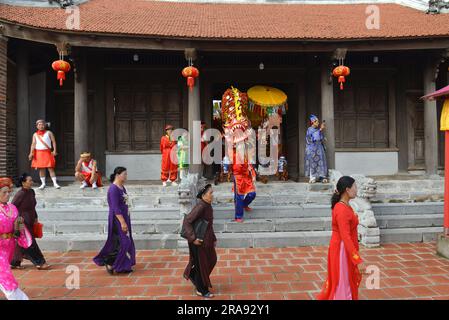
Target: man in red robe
x=244, y=186
x=169, y=170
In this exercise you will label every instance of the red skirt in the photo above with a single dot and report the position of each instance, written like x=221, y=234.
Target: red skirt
x=43, y=159
x=88, y=176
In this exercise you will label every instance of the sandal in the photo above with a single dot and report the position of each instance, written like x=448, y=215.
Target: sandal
x=18, y=267
x=208, y=295
x=43, y=267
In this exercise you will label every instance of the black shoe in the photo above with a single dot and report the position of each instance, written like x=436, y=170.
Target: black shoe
x=109, y=269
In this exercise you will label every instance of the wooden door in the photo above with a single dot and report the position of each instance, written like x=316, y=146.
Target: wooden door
x=63, y=128
x=415, y=120
x=141, y=112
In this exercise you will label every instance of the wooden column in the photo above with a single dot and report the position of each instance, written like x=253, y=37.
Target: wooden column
x=430, y=120
x=3, y=115
x=327, y=111
x=194, y=114
x=24, y=123
x=81, y=118
x=302, y=125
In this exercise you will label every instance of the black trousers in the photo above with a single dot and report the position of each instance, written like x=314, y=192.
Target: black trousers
x=32, y=253
x=195, y=273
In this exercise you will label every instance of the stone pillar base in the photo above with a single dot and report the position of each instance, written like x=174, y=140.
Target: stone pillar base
x=443, y=246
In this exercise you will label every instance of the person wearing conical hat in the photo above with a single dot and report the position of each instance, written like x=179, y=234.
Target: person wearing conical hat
x=87, y=173
x=169, y=170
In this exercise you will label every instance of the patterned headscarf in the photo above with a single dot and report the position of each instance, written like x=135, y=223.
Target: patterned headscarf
x=5, y=182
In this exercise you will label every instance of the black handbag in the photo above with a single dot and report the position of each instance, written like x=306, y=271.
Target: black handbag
x=199, y=228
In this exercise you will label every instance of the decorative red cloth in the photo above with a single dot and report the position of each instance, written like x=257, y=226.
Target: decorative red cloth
x=169, y=170
x=41, y=132
x=43, y=159
x=243, y=174
x=344, y=228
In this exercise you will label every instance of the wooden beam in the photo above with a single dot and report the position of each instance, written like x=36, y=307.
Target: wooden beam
x=89, y=39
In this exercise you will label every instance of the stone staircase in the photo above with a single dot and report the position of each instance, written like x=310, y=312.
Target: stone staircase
x=284, y=214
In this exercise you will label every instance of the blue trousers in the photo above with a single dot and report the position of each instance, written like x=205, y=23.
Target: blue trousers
x=241, y=202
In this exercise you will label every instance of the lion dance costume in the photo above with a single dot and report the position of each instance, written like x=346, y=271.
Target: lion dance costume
x=237, y=129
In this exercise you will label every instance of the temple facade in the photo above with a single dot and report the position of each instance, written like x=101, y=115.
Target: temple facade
x=125, y=84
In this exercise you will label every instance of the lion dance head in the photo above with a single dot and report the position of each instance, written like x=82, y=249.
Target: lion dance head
x=236, y=124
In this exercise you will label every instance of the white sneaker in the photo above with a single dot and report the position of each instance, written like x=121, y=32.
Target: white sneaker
x=42, y=187
x=164, y=183
x=84, y=185
x=57, y=186
x=174, y=183
x=94, y=186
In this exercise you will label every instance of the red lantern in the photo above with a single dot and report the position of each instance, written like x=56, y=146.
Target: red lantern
x=61, y=67
x=190, y=73
x=341, y=72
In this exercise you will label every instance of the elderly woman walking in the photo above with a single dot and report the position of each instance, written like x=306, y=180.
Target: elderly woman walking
x=12, y=230
x=202, y=255
x=118, y=254
x=25, y=202
x=344, y=277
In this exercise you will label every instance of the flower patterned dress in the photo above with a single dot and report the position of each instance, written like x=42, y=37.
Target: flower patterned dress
x=8, y=215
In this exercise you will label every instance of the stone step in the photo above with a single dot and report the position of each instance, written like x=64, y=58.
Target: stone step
x=409, y=221
x=173, y=226
x=171, y=200
x=172, y=241
x=428, y=234
x=408, y=208
x=148, y=214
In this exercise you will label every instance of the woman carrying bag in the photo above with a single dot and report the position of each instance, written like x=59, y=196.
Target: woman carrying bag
x=25, y=201
x=202, y=255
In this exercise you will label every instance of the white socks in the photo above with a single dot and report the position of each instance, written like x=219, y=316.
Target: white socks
x=43, y=183
x=83, y=185
x=55, y=184
x=94, y=185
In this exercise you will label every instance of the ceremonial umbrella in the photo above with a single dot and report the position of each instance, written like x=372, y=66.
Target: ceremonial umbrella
x=444, y=126
x=265, y=96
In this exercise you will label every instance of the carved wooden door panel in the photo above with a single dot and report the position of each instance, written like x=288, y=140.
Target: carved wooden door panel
x=141, y=112
x=415, y=118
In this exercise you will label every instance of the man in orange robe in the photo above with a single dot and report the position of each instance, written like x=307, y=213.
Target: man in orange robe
x=244, y=187
x=169, y=170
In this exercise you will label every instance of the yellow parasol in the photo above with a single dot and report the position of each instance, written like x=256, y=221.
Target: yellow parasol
x=265, y=96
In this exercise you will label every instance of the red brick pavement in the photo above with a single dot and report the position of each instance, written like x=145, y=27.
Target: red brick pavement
x=407, y=271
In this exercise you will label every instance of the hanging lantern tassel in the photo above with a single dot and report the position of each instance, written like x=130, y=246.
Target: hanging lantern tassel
x=341, y=80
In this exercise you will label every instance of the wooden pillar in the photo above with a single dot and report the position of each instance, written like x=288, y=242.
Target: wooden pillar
x=194, y=115
x=302, y=125
x=327, y=111
x=81, y=133
x=24, y=123
x=3, y=86
x=430, y=120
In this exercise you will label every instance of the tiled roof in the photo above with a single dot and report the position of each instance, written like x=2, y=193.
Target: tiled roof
x=235, y=21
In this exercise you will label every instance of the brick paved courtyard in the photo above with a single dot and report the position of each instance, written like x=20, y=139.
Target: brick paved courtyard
x=408, y=271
